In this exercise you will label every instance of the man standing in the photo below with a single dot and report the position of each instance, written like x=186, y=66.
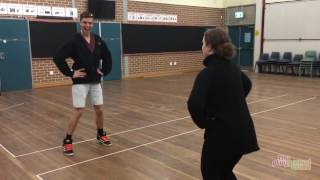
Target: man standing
x=87, y=50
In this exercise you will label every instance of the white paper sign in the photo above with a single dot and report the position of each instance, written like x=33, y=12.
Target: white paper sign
x=58, y=11
x=15, y=9
x=151, y=17
x=34, y=10
x=30, y=10
x=3, y=8
x=71, y=12
x=44, y=10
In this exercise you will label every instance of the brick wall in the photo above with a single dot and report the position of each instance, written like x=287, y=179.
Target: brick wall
x=136, y=65
x=41, y=73
x=158, y=64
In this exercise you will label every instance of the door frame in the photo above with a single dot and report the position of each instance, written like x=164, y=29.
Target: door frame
x=238, y=43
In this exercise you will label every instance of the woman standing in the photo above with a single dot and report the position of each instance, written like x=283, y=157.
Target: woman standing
x=217, y=103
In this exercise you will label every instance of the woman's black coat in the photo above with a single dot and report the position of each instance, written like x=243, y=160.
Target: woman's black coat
x=217, y=103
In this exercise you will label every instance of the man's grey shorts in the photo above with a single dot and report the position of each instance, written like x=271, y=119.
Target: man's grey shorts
x=81, y=91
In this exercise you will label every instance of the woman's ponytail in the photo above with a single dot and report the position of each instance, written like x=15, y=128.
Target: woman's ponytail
x=220, y=42
x=226, y=50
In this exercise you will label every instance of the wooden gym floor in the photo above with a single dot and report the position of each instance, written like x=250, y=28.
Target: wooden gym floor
x=152, y=134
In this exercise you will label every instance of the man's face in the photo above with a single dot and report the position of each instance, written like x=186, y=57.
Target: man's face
x=86, y=25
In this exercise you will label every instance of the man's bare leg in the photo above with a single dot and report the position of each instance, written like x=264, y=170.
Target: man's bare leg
x=101, y=135
x=77, y=113
x=99, y=116
x=67, y=142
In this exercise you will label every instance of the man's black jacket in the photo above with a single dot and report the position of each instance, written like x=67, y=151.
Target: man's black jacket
x=77, y=50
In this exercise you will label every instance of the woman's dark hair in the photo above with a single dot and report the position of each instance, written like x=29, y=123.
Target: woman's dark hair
x=219, y=40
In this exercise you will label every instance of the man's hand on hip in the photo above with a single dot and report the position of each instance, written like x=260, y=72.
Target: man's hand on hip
x=80, y=73
x=100, y=72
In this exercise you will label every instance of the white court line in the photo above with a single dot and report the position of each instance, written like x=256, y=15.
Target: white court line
x=10, y=107
x=117, y=152
x=135, y=147
x=26, y=154
x=287, y=122
x=39, y=177
x=7, y=151
x=56, y=147
x=309, y=99
x=256, y=95
x=266, y=99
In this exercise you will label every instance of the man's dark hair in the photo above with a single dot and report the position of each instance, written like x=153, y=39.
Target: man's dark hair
x=86, y=14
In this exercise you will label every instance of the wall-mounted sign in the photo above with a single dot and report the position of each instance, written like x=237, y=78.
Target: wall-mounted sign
x=58, y=11
x=3, y=8
x=34, y=10
x=151, y=17
x=71, y=12
x=15, y=9
x=44, y=10
x=239, y=14
x=30, y=10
